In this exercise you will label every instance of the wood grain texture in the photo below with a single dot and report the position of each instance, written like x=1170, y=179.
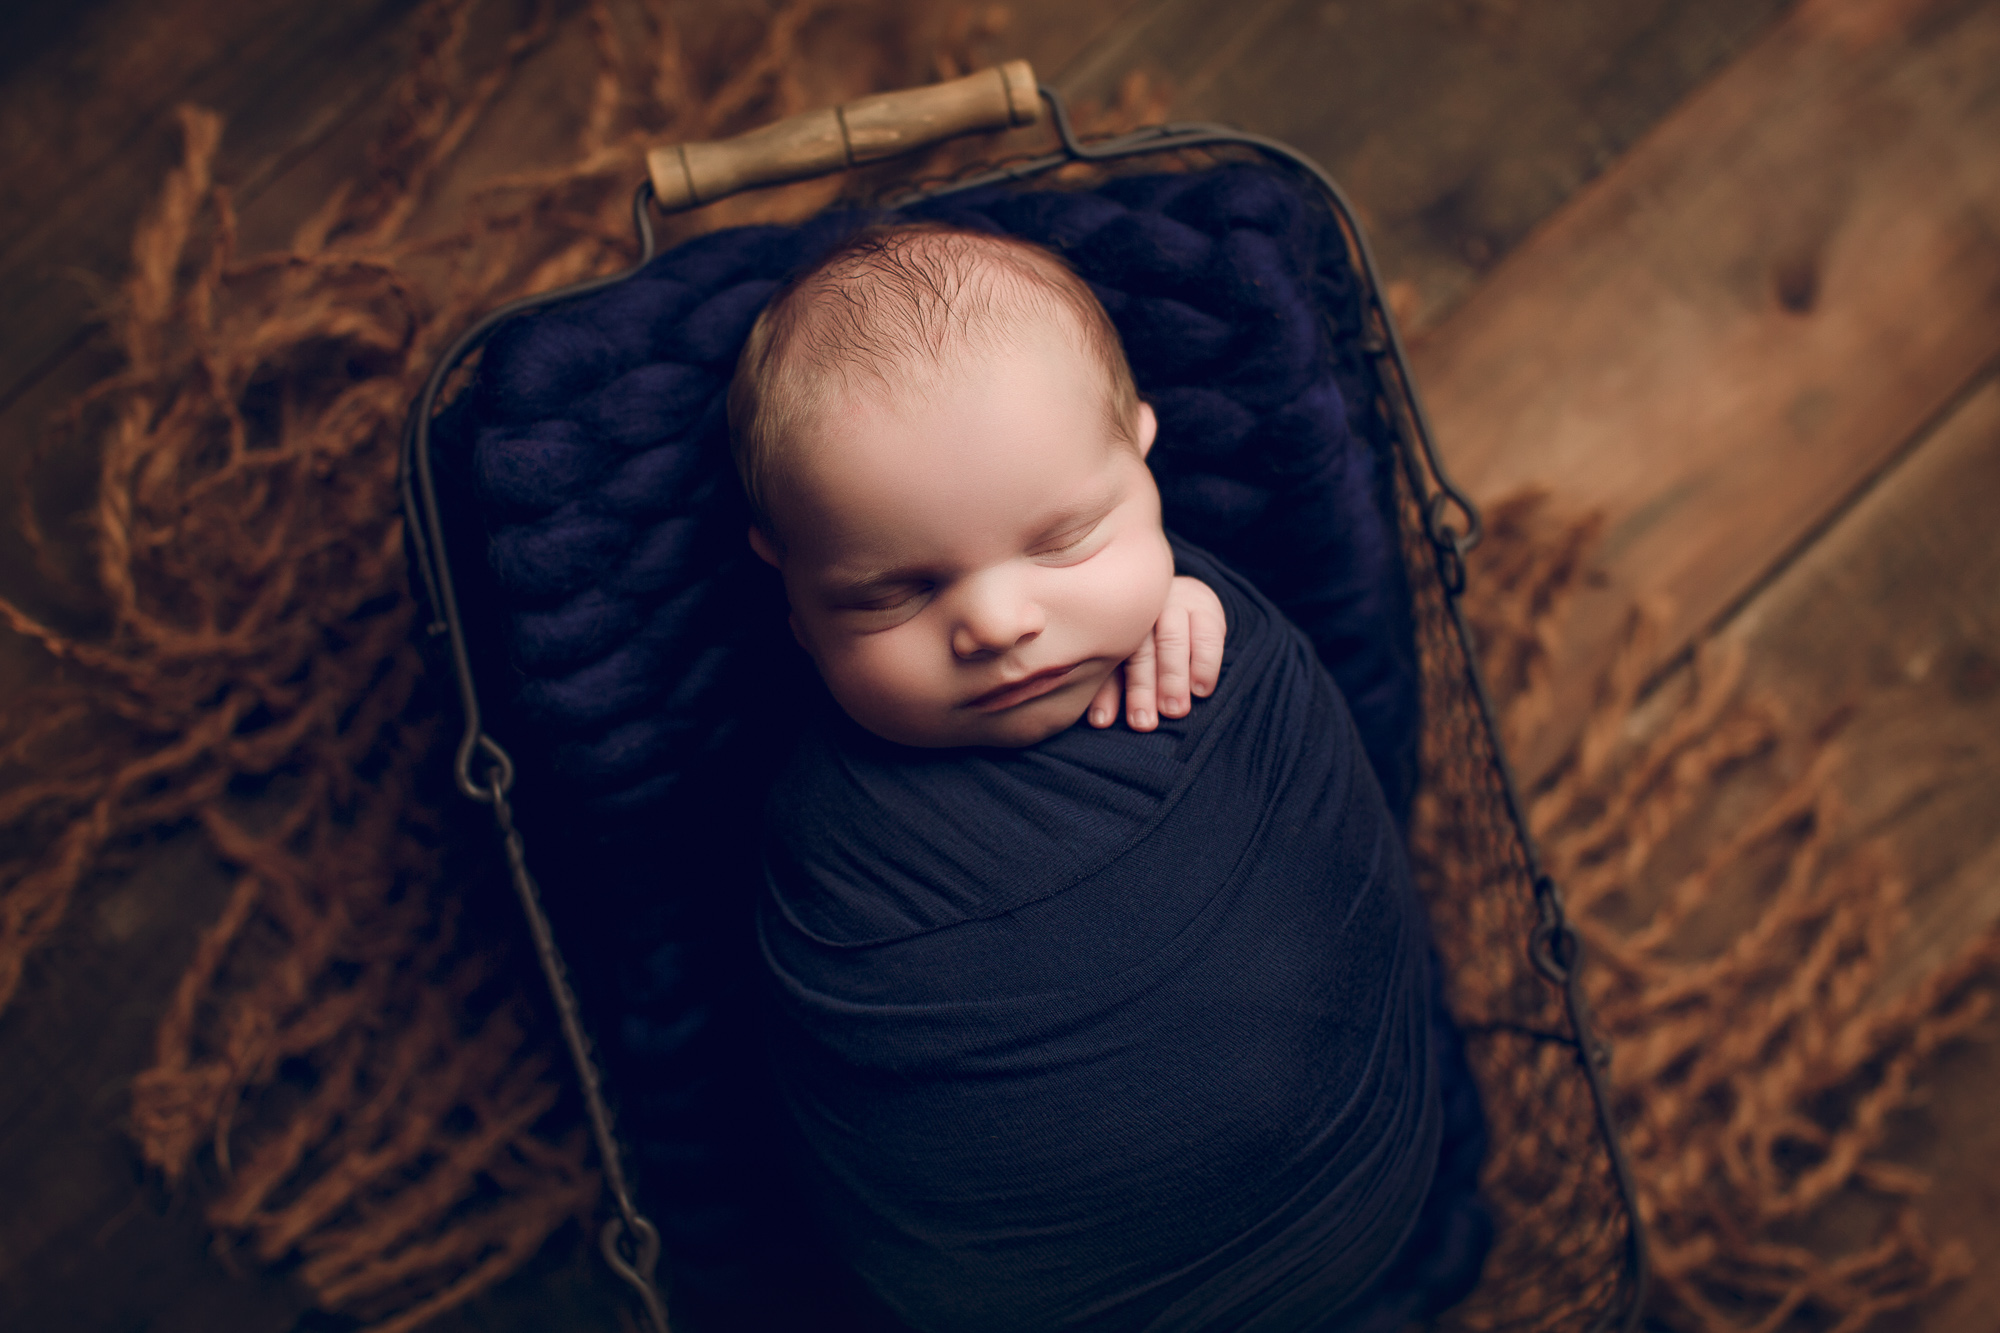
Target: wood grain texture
x=869, y=129
x=1053, y=35
x=1891, y=619
x=1882, y=636
x=1461, y=124
x=291, y=139
x=89, y=1238
x=87, y=130
x=1455, y=125
x=1742, y=321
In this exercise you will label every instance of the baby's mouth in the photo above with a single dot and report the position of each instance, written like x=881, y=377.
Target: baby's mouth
x=1019, y=692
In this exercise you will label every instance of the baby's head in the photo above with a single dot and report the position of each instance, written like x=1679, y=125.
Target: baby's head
x=945, y=458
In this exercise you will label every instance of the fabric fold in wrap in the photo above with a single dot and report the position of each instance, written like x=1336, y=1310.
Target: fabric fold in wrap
x=1119, y=1031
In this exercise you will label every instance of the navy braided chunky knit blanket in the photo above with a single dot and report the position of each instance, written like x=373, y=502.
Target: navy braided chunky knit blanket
x=1123, y=1030
x=632, y=652
x=636, y=620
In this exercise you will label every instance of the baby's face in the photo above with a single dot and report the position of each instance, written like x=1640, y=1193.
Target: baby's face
x=967, y=564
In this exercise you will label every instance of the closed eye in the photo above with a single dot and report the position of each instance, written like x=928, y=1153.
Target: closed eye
x=1072, y=544
x=887, y=599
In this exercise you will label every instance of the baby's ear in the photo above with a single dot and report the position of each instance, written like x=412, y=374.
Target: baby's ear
x=1149, y=426
x=761, y=543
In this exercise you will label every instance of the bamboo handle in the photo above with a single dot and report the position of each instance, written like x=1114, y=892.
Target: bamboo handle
x=866, y=130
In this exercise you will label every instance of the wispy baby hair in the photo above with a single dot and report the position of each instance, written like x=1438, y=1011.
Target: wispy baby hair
x=889, y=309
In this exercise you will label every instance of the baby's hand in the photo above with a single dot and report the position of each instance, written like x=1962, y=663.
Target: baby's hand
x=1183, y=653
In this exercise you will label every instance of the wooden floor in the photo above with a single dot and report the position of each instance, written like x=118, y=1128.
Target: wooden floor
x=1724, y=271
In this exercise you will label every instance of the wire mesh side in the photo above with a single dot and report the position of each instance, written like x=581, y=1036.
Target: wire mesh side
x=1559, y=1261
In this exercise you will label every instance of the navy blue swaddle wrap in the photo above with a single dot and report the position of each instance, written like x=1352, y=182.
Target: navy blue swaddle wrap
x=1119, y=1031
x=632, y=652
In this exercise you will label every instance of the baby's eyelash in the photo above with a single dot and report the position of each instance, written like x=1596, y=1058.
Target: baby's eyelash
x=890, y=600
x=1071, y=539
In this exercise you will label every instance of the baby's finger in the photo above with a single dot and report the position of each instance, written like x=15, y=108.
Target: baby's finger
x=1172, y=645
x=1207, y=630
x=1139, y=698
x=1103, y=710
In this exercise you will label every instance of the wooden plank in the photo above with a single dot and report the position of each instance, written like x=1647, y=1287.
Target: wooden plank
x=87, y=1241
x=303, y=123
x=85, y=132
x=1885, y=632
x=1891, y=618
x=90, y=1239
x=1455, y=127
x=1744, y=319
x=73, y=110
x=1409, y=80
x=1052, y=35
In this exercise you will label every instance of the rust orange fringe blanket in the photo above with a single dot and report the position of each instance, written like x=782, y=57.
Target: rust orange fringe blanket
x=248, y=567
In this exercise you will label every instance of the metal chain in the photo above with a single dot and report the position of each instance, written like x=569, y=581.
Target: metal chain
x=631, y=1243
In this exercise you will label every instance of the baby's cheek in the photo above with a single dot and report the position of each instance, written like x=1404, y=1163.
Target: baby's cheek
x=901, y=664
x=883, y=680
x=1142, y=593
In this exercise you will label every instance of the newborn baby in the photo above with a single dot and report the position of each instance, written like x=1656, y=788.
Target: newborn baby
x=1083, y=1027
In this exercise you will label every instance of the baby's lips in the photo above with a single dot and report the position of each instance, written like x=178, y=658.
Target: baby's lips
x=1031, y=686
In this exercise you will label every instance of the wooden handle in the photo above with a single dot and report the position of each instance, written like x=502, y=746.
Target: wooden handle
x=866, y=130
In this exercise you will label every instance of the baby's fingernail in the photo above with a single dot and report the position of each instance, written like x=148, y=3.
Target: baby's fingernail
x=1142, y=718
x=1100, y=717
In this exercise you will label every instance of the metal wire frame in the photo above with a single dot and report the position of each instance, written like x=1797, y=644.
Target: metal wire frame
x=629, y=1241
x=1451, y=524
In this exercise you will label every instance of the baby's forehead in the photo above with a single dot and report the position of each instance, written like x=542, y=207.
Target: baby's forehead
x=925, y=428
x=910, y=318
x=898, y=368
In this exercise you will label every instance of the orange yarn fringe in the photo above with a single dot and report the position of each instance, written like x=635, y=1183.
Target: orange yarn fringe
x=256, y=683
x=1737, y=931
x=379, y=1098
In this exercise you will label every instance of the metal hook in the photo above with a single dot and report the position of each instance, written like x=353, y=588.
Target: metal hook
x=638, y=1270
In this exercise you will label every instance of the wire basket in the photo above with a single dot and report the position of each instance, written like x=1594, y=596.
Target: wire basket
x=1570, y=1249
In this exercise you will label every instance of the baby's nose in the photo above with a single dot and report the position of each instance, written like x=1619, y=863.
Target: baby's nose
x=994, y=617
